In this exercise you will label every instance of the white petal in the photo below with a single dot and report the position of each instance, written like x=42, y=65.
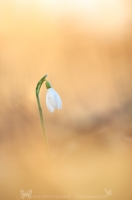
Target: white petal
x=53, y=98
x=59, y=103
x=50, y=108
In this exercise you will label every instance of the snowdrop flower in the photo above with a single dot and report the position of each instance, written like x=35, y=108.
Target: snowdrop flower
x=53, y=100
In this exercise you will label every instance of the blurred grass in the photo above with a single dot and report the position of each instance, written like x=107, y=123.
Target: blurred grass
x=89, y=65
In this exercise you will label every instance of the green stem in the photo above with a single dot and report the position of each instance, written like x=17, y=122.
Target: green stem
x=41, y=115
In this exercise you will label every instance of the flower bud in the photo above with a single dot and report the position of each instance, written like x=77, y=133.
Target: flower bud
x=53, y=100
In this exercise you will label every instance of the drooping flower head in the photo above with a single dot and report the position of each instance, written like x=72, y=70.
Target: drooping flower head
x=53, y=100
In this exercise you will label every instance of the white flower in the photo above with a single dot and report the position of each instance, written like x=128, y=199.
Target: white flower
x=53, y=100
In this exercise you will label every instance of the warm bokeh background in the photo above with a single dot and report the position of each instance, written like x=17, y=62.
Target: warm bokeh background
x=86, y=49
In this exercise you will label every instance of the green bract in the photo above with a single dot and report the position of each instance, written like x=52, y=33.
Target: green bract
x=48, y=85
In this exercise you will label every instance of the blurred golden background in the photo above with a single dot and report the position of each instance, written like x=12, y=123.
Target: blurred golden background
x=86, y=49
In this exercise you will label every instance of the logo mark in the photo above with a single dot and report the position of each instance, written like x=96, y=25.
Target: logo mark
x=26, y=194
x=108, y=192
